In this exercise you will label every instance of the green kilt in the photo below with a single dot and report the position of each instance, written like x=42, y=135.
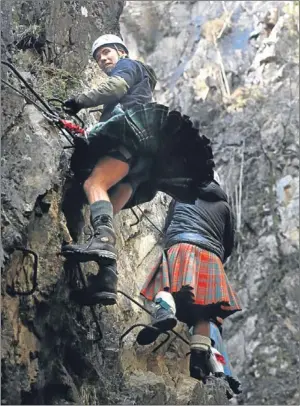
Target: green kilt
x=138, y=129
x=181, y=160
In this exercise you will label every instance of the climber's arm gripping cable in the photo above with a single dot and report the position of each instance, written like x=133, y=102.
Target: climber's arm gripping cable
x=108, y=92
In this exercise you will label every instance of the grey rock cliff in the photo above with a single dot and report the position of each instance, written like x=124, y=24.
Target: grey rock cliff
x=244, y=95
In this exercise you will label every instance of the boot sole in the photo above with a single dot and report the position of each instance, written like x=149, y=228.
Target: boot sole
x=165, y=325
x=103, y=298
x=147, y=336
x=92, y=256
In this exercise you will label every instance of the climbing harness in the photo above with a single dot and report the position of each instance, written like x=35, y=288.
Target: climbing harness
x=67, y=128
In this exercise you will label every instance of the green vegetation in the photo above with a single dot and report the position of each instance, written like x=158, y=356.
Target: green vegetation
x=54, y=82
x=49, y=81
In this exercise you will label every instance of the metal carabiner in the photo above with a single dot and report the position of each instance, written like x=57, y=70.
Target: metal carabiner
x=61, y=102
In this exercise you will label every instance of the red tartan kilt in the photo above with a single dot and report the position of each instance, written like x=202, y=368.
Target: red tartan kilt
x=197, y=280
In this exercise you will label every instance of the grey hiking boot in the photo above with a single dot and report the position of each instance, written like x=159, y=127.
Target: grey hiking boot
x=163, y=319
x=101, y=245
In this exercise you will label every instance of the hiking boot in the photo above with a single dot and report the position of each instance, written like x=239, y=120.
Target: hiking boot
x=101, y=245
x=101, y=289
x=200, y=364
x=163, y=319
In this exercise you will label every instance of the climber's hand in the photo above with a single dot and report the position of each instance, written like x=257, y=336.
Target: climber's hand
x=80, y=142
x=71, y=106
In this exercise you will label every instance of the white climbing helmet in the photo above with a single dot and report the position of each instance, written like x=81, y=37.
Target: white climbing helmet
x=108, y=39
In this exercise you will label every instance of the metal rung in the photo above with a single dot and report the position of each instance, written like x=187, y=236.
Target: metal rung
x=151, y=328
x=147, y=311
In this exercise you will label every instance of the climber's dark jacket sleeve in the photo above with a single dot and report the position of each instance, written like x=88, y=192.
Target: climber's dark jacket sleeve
x=229, y=235
x=124, y=76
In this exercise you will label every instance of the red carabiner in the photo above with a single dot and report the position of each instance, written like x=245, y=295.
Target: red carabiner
x=74, y=128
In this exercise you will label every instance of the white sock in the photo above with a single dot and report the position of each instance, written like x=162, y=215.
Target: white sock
x=165, y=300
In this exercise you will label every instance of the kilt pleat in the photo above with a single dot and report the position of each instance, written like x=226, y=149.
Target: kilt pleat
x=138, y=129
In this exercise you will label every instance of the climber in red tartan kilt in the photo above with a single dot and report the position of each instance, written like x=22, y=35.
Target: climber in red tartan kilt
x=193, y=275
x=188, y=282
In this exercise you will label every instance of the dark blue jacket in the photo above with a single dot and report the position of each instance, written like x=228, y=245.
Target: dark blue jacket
x=138, y=78
x=209, y=223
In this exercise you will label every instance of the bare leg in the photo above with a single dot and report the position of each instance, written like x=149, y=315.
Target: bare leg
x=201, y=335
x=202, y=328
x=120, y=195
x=102, y=288
x=108, y=172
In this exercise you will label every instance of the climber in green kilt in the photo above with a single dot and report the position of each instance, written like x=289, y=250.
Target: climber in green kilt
x=138, y=148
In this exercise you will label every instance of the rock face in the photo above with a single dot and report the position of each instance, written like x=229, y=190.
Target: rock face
x=234, y=68
x=49, y=354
